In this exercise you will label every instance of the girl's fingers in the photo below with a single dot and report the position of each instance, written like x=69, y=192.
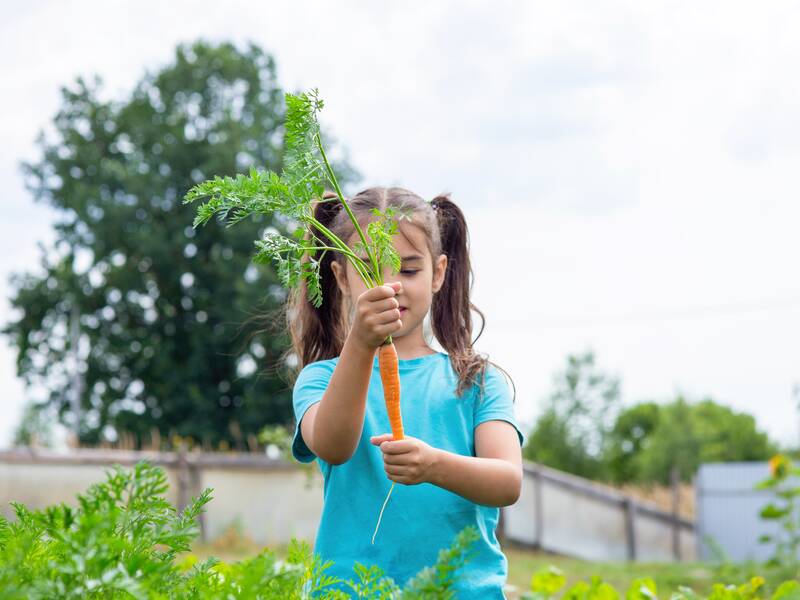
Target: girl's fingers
x=377, y=440
x=397, y=447
x=387, y=304
x=396, y=460
x=396, y=471
x=388, y=329
x=383, y=291
x=389, y=316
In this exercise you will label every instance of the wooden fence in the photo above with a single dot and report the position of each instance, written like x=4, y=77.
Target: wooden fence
x=565, y=514
x=275, y=500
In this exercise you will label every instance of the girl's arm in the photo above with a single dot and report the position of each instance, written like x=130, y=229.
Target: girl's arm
x=492, y=478
x=332, y=428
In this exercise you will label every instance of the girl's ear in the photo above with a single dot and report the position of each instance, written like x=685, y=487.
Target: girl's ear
x=439, y=270
x=340, y=276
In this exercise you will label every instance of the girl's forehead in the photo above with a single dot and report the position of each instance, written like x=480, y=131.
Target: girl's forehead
x=411, y=239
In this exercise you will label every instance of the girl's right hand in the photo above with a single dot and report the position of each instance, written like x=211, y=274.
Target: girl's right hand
x=377, y=315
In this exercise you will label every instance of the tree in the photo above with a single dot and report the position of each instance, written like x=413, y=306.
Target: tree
x=161, y=312
x=628, y=438
x=650, y=439
x=571, y=433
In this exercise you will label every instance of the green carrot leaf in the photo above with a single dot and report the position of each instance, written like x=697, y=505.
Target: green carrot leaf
x=291, y=195
x=381, y=232
x=311, y=274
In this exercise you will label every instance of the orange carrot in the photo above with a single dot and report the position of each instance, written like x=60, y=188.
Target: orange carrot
x=390, y=377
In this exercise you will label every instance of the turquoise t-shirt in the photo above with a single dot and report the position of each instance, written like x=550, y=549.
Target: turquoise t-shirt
x=419, y=520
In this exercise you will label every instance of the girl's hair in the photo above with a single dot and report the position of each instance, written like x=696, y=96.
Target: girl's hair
x=319, y=333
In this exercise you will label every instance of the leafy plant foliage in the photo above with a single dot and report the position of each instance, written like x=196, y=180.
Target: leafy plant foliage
x=550, y=583
x=123, y=540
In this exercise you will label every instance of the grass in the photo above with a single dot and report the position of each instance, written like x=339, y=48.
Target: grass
x=668, y=577
x=233, y=545
x=523, y=563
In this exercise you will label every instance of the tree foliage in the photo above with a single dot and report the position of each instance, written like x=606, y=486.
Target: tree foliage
x=649, y=439
x=571, y=433
x=583, y=430
x=166, y=338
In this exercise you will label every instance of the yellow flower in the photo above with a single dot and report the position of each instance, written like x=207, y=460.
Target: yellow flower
x=779, y=465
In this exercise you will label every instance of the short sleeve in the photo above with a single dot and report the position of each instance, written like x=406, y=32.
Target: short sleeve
x=495, y=403
x=308, y=389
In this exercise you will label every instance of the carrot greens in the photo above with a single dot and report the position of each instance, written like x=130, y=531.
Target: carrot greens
x=305, y=175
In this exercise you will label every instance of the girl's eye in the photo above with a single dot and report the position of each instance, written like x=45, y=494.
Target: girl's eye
x=409, y=272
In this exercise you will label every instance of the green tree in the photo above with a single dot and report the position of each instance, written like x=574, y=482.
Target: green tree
x=649, y=439
x=571, y=433
x=627, y=439
x=162, y=312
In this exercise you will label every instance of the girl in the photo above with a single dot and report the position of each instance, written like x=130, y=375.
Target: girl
x=460, y=459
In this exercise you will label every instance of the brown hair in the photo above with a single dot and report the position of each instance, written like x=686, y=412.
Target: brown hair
x=319, y=333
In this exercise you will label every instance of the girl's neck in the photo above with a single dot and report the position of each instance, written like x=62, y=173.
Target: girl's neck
x=412, y=344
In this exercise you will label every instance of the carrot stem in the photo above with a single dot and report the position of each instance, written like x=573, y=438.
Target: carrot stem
x=360, y=266
x=332, y=177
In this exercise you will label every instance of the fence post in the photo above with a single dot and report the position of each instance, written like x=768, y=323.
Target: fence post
x=676, y=531
x=196, y=482
x=538, y=519
x=183, y=477
x=630, y=527
x=188, y=476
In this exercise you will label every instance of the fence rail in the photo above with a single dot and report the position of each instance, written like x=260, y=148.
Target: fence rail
x=276, y=499
x=566, y=514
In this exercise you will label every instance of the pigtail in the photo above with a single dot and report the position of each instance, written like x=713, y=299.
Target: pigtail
x=318, y=333
x=451, y=308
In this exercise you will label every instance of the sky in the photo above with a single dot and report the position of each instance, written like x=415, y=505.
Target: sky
x=628, y=170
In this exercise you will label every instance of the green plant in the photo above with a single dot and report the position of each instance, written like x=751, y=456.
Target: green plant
x=548, y=582
x=123, y=540
x=784, y=510
x=120, y=541
x=278, y=436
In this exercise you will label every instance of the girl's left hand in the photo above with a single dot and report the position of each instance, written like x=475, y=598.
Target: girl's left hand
x=408, y=461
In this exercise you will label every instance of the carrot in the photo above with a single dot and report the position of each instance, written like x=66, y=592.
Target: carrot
x=389, y=368
x=390, y=377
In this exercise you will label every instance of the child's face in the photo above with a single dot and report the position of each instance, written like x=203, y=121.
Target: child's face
x=420, y=276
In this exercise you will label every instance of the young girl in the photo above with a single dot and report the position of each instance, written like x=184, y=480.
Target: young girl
x=460, y=459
